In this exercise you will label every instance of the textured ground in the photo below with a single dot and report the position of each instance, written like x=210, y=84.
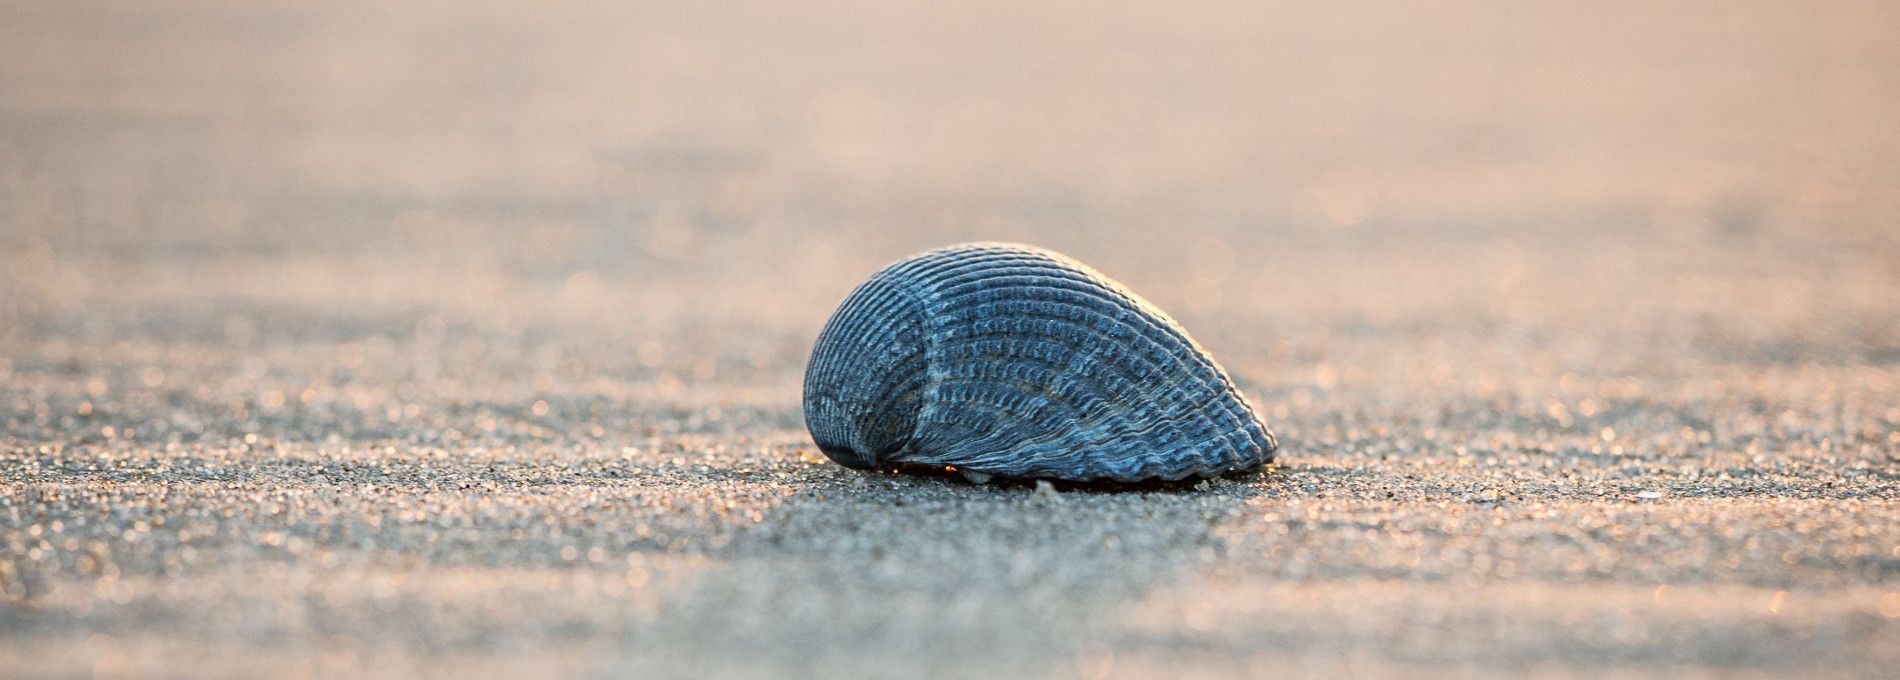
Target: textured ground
x=466, y=341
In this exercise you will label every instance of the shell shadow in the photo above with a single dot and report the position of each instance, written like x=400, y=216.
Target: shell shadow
x=882, y=573
x=1264, y=473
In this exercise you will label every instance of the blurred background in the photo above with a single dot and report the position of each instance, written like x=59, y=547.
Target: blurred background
x=657, y=163
x=397, y=242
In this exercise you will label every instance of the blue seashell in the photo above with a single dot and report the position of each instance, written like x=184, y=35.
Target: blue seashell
x=1010, y=360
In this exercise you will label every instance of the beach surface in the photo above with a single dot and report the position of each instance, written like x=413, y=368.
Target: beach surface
x=466, y=339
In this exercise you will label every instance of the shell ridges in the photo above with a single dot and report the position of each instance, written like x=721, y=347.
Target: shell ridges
x=1011, y=360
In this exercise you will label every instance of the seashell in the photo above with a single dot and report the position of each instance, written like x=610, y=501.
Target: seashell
x=1010, y=360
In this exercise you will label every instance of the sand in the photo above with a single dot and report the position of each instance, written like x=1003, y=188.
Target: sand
x=451, y=341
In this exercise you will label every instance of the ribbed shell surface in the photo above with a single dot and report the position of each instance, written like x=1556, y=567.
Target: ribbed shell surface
x=1012, y=360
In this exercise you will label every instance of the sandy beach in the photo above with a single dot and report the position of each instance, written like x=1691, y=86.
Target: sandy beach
x=466, y=339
